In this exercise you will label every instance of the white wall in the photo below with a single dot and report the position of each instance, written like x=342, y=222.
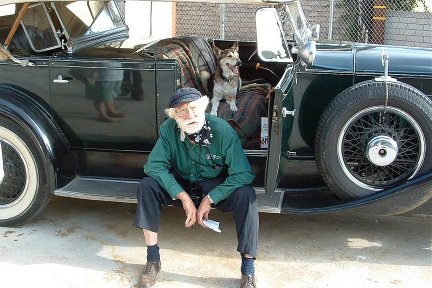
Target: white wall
x=8, y=9
x=138, y=19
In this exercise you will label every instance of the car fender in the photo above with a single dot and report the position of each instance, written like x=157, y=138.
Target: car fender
x=23, y=108
x=417, y=188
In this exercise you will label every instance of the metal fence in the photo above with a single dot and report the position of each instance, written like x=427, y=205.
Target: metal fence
x=392, y=22
x=395, y=22
x=216, y=21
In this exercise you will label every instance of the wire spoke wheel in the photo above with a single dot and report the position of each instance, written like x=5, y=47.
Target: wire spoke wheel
x=380, y=147
x=376, y=136
x=15, y=171
x=24, y=189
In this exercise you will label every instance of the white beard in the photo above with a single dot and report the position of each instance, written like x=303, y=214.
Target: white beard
x=193, y=125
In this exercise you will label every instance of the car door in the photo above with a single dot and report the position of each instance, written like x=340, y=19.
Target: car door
x=281, y=123
x=115, y=147
x=96, y=101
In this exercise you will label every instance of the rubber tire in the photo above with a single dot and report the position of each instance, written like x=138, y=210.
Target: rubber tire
x=35, y=197
x=349, y=102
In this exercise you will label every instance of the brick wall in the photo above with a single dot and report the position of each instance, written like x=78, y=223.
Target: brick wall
x=409, y=29
x=317, y=12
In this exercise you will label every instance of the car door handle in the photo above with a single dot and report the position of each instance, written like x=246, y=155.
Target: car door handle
x=61, y=79
x=286, y=112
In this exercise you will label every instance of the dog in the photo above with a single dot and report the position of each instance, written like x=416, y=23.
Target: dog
x=225, y=81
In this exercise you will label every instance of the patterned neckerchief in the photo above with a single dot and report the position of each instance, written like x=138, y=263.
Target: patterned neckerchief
x=202, y=137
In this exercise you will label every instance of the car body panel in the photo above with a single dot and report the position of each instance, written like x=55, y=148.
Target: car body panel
x=280, y=126
x=336, y=58
x=403, y=61
x=338, y=67
x=18, y=105
x=68, y=81
x=73, y=102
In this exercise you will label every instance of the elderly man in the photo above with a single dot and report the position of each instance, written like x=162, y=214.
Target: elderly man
x=197, y=161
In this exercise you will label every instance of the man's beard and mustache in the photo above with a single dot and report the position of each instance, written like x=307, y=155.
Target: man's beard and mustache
x=193, y=125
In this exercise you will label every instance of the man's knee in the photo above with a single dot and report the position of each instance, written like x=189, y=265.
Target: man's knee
x=148, y=181
x=147, y=186
x=246, y=194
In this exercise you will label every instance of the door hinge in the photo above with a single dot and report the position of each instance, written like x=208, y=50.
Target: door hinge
x=275, y=113
x=286, y=112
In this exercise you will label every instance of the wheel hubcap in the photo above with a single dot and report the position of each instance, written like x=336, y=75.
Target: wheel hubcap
x=382, y=150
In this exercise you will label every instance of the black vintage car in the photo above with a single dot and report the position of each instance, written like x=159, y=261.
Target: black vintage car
x=326, y=126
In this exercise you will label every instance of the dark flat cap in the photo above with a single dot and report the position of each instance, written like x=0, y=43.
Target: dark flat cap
x=184, y=95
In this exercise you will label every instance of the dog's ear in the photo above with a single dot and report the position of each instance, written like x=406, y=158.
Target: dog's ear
x=217, y=51
x=235, y=46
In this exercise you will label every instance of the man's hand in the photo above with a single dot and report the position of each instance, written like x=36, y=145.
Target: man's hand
x=189, y=208
x=203, y=211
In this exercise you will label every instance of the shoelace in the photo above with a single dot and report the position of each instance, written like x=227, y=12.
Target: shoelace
x=150, y=267
x=249, y=282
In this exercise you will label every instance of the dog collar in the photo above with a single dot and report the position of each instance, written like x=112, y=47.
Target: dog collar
x=226, y=79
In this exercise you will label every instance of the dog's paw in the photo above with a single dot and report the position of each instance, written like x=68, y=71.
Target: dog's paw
x=233, y=108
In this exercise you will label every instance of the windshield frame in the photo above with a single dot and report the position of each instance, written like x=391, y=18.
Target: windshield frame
x=51, y=25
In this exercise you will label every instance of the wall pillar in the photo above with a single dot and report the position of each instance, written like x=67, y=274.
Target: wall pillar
x=378, y=21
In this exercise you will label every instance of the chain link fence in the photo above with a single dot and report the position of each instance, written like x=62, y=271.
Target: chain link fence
x=391, y=22
x=216, y=21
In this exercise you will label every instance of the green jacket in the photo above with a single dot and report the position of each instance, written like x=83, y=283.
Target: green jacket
x=196, y=163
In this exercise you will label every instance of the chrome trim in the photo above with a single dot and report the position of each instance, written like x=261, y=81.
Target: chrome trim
x=52, y=28
x=106, y=37
x=96, y=197
x=60, y=79
x=382, y=150
x=60, y=20
x=256, y=153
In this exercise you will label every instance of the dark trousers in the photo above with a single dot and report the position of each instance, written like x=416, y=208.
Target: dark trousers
x=242, y=203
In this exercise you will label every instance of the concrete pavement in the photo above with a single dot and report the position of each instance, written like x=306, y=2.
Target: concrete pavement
x=78, y=243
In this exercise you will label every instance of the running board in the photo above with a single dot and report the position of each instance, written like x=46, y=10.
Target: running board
x=100, y=189
x=120, y=190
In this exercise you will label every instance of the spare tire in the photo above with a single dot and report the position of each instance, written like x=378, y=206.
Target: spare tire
x=367, y=142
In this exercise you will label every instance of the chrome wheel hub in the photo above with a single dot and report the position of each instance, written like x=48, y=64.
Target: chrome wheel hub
x=382, y=150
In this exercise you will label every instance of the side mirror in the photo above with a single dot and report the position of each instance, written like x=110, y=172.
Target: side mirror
x=272, y=46
x=315, y=31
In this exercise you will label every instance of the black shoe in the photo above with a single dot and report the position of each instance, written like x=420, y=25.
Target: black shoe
x=248, y=281
x=149, y=275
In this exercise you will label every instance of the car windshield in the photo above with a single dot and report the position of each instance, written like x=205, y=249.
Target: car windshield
x=64, y=24
x=88, y=17
x=39, y=28
x=298, y=22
